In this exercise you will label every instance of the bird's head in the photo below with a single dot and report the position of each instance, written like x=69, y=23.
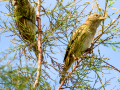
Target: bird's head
x=94, y=20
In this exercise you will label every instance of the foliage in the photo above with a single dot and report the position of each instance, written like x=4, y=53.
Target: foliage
x=19, y=64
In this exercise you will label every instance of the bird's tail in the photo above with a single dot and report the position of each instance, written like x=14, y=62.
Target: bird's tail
x=63, y=74
x=67, y=64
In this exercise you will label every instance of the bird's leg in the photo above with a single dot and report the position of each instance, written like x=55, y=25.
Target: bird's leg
x=76, y=60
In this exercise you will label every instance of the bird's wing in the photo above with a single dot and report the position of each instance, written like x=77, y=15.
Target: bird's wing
x=75, y=35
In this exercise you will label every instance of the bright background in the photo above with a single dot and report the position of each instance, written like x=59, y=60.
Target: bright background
x=107, y=52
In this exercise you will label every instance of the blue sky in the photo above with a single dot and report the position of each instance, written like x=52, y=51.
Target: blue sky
x=107, y=52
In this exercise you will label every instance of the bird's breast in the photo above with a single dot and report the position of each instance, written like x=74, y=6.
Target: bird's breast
x=87, y=42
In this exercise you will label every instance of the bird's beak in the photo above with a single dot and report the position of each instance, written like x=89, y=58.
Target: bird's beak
x=102, y=18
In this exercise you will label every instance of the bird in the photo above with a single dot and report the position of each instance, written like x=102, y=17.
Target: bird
x=80, y=41
x=25, y=19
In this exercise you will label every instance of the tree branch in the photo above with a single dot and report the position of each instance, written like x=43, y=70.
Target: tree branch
x=39, y=45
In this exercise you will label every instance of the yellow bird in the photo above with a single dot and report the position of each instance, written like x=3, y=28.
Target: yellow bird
x=25, y=19
x=80, y=41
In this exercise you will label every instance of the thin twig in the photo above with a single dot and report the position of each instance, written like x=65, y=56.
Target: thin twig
x=75, y=87
x=100, y=80
x=104, y=14
x=108, y=38
x=110, y=43
x=111, y=66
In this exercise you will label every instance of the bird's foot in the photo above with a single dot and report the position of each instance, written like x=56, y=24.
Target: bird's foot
x=76, y=59
x=89, y=50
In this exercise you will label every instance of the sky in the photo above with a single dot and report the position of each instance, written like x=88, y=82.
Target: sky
x=105, y=51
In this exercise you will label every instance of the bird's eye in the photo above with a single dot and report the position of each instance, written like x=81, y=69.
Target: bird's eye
x=96, y=15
